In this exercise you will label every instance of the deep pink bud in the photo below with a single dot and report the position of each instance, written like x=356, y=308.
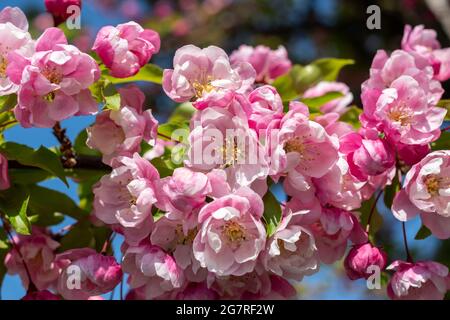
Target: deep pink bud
x=361, y=257
x=41, y=295
x=58, y=8
x=366, y=156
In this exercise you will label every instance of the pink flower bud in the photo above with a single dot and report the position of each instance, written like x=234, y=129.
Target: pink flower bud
x=58, y=8
x=366, y=157
x=99, y=274
x=41, y=295
x=126, y=48
x=360, y=258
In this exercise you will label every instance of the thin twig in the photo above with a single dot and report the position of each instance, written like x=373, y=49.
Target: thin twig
x=405, y=241
x=372, y=210
x=108, y=243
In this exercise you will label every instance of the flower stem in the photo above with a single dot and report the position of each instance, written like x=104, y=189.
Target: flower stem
x=405, y=241
x=372, y=210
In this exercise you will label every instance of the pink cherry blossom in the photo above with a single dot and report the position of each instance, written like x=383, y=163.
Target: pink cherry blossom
x=14, y=16
x=384, y=71
x=405, y=114
x=361, y=257
x=266, y=106
x=252, y=284
x=120, y=132
x=231, y=234
x=125, y=49
x=338, y=105
x=183, y=192
x=268, y=64
x=15, y=38
x=151, y=270
x=424, y=42
x=60, y=9
x=54, y=82
x=291, y=252
x=426, y=191
x=41, y=295
x=333, y=231
x=424, y=280
x=302, y=150
x=206, y=77
x=368, y=156
x=37, y=251
x=4, y=176
x=176, y=237
x=99, y=273
x=124, y=198
x=339, y=188
x=197, y=291
x=220, y=138
x=411, y=154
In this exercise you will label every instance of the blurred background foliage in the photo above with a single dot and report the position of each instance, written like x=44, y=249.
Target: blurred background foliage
x=309, y=29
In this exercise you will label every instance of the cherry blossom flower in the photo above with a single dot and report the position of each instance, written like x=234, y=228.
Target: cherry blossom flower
x=126, y=48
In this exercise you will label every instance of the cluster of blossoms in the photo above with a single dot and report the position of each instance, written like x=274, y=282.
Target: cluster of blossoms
x=203, y=232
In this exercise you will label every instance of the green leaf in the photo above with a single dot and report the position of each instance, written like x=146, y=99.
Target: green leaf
x=182, y=113
x=7, y=120
x=390, y=191
x=445, y=103
x=330, y=67
x=163, y=167
x=272, y=213
x=41, y=158
x=28, y=175
x=285, y=87
x=443, y=143
x=166, y=130
x=423, y=233
x=351, y=116
x=80, y=236
x=81, y=147
x=300, y=78
x=148, y=73
x=314, y=104
x=7, y=102
x=14, y=203
x=111, y=97
x=47, y=202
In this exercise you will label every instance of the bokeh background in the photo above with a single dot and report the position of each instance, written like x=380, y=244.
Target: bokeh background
x=309, y=29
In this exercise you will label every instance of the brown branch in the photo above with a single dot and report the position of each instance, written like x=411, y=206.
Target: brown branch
x=68, y=154
x=83, y=162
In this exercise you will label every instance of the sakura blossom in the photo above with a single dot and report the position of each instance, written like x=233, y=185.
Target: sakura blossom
x=126, y=48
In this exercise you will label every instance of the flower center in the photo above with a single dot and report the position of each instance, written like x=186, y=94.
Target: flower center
x=52, y=75
x=231, y=152
x=295, y=145
x=185, y=238
x=3, y=65
x=400, y=114
x=433, y=183
x=234, y=232
x=202, y=87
